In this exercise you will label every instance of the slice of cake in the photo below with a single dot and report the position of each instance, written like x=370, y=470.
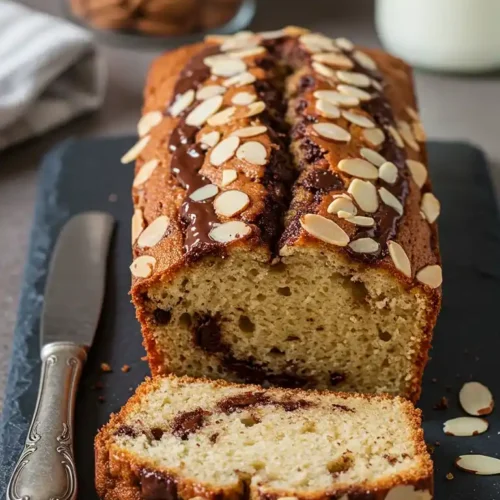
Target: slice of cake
x=182, y=438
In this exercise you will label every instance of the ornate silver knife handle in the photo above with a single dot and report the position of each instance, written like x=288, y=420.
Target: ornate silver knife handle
x=46, y=468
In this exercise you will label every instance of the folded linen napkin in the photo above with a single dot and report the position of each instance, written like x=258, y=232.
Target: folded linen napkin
x=50, y=72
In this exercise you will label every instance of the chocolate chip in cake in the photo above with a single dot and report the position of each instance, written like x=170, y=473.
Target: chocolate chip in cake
x=162, y=316
x=207, y=334
x=337, y=378
x=188, y=422
x=157, y=433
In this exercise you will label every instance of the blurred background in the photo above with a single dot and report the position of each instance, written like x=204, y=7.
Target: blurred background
x=455, y=45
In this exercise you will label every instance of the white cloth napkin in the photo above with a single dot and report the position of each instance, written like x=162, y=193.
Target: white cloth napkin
x=50, y=72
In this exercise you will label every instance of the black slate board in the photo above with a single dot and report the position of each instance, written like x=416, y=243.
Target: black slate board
x=87, y=175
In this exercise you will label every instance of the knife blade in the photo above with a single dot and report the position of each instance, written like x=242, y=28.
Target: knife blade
x=72, y=305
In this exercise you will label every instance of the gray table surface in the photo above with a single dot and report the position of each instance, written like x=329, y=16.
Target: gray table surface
x=452, y=107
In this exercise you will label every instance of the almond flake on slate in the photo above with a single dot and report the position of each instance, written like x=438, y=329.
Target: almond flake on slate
x=431, y=276
x=372, y=156
x=243, y=98
x=417, y=171
x=353, y=78
x=412, y=113
x=365, y=60
x=364, y=194
x=244, y=78
x=344, y=43
x=230, y=203
x=210, y=139
x=396, y=136
x=199, y=115
x=364, y=245
x=419, y=132
x=182, y=102
x=228, y=176
x=137, y=224
x=333, y=59
x=336, y=98
x=210, y=91
x=332, y=132
x=255, y=108
x=358, y=168
x=250, y=131
x=135, y=150
x=431, y=207
x=145, y=172
x=222, y=117
x=204, y=193
x=143, y=266
x=354, y=92
x=228, y=67
x=252, y=152
x=323, y=70
x=399, y=257
x=327, y=109
x=476, y=399
x=149, y=121
x=465, y=426
x=481, y=465
x=342, y=205
x=374, y=136
x=360, y=120
x=388, y=172
x=407, y=135
x=229, y=231
x=408, y=492
x=324, y=229
x=154, y=233
x=255, y=51
x=360, y=220
x=390, y=200
x=224, y=150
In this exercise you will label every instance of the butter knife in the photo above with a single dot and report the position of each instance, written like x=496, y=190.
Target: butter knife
x=72, y=305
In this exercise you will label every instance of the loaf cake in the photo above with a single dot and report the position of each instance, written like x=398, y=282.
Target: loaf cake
x=284, y=229
x=181, y=438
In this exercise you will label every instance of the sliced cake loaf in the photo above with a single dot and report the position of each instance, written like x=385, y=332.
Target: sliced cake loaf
x=182, y=438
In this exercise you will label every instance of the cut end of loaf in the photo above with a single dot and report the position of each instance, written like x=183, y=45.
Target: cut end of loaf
x=185, y=438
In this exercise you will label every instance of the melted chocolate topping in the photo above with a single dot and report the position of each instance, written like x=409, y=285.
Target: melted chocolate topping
x=157, y=486
x=322, y=181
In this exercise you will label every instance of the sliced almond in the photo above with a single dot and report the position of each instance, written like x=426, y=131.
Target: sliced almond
x=408, y=492
x=377, y=85
x=327, y=109
x=419, y=132
x=244, y=39
x=360, y=220
x=323, y=70
x=431, y=276
x=388, y=172
x=222, y=117
x=476, y=399
x=364, y=245
x=481, y=465
x=201, y=113
x=228, y=176
x=154, y=233
x=137, y=224
x=364, y=194
x=273, y=34
x=360, y=120
x=332, y=132
x=204, y=193
x=210, y=91
x=358, y=167
x=353, y=78
x=333, y=59
x=315, y=42
x=149, y=121
x=431, y=207
x=336, y=98
x=390, y=200
x=239, y=80
x=250, y=131
x=143, y=266
x=412, y=113
x=399, y=258
x=344, y=43
x=255, y=108
x=224, y=151
x=182, y=102
x=395, y=135
x=215, y=59
x=230, y=203
x=365, y=60
x=465, y=426
x=354, y=92
x=417, y=171
x=145, y=172
x=374, y=136
x=210, y=139
x=241, y=54
x=243, y=98
x=135, y=150
x=407, y=135
x=324, y=229
x=229, y=231
x=253, y=152
x=342, y=205
x=372, y=156
x=228, y=67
